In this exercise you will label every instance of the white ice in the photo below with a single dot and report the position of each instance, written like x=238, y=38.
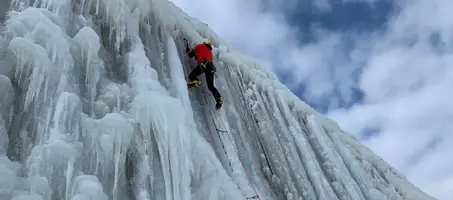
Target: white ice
x=95, y=106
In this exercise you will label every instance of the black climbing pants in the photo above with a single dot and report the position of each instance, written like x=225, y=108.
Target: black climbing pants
x=208, y=69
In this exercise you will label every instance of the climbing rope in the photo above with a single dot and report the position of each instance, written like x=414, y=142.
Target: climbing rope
x=256, y=196
x=242, y=164
x=218, y=130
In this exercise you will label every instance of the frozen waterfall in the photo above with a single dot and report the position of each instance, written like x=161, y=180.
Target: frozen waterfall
x=95, y=106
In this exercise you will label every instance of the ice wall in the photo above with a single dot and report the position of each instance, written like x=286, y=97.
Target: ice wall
x=95, y=106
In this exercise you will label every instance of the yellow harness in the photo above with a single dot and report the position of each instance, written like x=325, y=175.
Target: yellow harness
x=204, y=63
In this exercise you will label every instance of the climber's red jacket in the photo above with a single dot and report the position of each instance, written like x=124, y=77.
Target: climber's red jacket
x=201, y=52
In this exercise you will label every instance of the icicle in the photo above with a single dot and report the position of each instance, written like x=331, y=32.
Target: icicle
x=88, y=42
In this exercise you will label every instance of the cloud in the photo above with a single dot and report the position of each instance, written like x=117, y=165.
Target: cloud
x=403, y=72
x=406, y=82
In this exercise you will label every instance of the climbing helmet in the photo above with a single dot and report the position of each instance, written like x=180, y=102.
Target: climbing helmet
x=207, y=42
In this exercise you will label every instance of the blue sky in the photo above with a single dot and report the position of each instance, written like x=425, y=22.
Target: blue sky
x=350, y=17
x=383, y=69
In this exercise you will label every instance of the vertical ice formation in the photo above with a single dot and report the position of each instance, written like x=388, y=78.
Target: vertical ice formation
x=95, y=106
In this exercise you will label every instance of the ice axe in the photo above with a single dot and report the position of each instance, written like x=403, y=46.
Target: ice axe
x=186, y=43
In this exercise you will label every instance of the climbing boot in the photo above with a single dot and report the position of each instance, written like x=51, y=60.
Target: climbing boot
x=194, y=83
x=219, y=103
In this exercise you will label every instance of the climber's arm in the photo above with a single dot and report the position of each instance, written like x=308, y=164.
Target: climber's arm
x=191, y=53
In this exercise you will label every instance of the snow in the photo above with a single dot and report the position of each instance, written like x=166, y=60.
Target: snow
x=95, y=106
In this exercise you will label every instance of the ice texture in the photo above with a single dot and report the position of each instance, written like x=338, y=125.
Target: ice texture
x=95, y=106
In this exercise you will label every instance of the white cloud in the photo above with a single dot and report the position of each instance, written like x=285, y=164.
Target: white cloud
x=406, y=80
x=406, y=76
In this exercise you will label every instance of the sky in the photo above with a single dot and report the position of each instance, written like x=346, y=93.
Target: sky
x=383, y=69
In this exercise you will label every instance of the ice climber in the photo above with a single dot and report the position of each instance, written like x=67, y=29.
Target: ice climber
x=203, y=55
